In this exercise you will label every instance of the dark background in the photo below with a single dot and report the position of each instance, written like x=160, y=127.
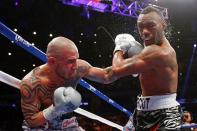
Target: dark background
x=51, y=16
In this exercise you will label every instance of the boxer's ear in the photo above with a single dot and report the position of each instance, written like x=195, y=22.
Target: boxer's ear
x=164, y=24
x=51, y=60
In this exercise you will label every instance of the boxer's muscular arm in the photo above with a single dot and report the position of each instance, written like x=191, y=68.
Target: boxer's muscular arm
x=100, y=75
x=117, y=59
x=96, y=74
x=144, y=61
x=30, y=105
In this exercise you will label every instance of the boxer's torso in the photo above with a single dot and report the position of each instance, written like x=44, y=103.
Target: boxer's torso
x=42, y=87
x=162, y=78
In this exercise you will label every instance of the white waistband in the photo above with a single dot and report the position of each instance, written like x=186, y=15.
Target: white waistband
x=147, y=103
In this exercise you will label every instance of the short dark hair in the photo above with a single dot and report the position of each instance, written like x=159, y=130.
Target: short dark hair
x=191, y=115
x=149, y=9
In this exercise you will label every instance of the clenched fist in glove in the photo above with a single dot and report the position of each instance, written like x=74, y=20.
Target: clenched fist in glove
x=127, y=44
x=66, y=99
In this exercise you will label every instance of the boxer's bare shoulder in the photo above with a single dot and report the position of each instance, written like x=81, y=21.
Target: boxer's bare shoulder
x=83, y=67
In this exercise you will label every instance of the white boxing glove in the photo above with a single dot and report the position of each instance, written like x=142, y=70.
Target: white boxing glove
x=123, y=42
x=66, y=99
x=127, y=44
x=135, y=49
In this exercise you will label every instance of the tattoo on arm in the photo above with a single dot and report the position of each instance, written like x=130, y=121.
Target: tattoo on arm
x=110, y=76
x=30, y=101
x=109, y=70
x=83, y=70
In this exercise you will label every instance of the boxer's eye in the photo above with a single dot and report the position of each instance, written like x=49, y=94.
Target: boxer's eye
x=151, y=25
x=71, y=61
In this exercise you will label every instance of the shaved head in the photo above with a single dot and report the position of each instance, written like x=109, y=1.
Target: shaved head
x=62, y=55
x=59, y=45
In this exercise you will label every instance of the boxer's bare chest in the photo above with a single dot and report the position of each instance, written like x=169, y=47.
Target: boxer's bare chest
x=48, y=87
x=44, y=86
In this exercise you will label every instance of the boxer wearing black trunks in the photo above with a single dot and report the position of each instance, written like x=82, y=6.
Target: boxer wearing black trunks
x=156, y=64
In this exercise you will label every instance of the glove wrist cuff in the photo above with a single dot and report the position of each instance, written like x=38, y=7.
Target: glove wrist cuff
x=118, y=48
x=50, y=113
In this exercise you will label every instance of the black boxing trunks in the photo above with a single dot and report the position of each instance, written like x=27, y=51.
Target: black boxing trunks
x=168, y=119
x=159, y=113
x=156, y=113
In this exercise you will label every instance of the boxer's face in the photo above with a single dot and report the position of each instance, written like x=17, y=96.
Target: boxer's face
x=151, y=28
x=67, y=64
x=187, y=117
